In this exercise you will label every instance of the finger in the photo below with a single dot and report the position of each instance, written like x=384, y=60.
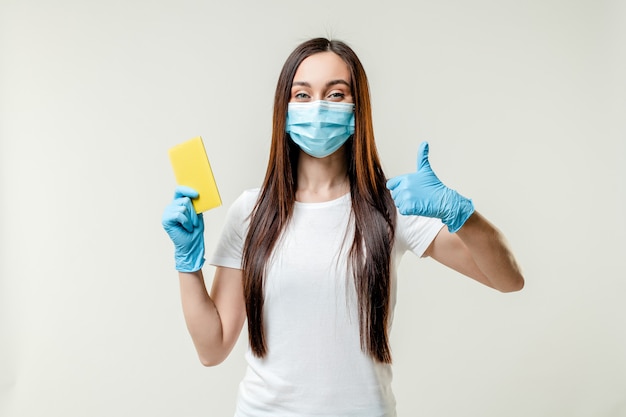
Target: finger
x=184, y=191
x=395, y=194
x=422, y=156
x=183, y=219
x=175, y=216
x=393, y=182
x=190, y=212
x=181, y=211
x=182, y=215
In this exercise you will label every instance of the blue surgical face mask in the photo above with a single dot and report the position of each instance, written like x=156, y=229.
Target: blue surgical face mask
x=319, y=128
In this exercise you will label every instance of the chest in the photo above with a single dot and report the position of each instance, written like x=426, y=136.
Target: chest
x=310, y=261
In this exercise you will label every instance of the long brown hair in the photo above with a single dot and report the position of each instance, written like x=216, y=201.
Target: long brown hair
x=373, y=210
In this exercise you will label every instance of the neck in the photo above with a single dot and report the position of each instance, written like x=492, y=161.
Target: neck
x=322, y=179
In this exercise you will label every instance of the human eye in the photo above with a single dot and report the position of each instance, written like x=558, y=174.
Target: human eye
x=300, y=96
x=336, y=96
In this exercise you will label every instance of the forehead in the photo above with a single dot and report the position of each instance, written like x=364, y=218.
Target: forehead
x=322, y=67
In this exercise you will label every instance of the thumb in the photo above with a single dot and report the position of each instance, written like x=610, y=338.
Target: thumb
x=185, y=191
x=422, y=156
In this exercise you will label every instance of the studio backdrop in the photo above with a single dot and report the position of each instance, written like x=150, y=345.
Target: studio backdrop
x=522, y=102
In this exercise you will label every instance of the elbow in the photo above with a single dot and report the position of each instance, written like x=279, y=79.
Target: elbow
x=513, y=285
x=212, y=354
x=211, y=357
x=211, y=360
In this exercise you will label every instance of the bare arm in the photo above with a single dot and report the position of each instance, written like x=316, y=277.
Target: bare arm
x=214, y=322
x=478, y=250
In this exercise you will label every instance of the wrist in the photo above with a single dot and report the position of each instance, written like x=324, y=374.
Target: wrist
x=184, y=264
x=190, y=258
x=463, y=208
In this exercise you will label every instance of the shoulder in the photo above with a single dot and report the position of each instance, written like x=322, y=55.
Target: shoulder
x=415, y=233
x=240, y=209
x=410, y=222
x=246, y=200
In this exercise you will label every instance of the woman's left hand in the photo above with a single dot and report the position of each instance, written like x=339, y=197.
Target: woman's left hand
x=422, y=194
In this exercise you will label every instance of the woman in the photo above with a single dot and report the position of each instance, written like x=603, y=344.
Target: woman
x=310, y=258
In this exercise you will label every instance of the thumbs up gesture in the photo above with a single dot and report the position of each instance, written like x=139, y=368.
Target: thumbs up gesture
x=421, y=193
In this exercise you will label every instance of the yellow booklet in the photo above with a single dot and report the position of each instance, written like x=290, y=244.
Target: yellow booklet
x=191, y=168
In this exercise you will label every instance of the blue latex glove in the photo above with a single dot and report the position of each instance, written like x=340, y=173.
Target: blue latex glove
x=186, y=229
x=423, y=194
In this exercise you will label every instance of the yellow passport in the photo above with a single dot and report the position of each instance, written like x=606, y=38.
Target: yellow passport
x=192, y=168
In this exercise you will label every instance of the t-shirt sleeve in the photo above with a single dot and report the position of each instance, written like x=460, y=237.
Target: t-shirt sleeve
x=416, y=233
x=229, y=250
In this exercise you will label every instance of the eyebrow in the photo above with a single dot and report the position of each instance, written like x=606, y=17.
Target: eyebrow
x=328, y=84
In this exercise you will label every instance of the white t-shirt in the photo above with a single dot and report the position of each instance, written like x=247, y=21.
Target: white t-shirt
x=314, y=364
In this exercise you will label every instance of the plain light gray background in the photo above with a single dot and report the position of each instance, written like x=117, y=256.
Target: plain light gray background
x=523, y=103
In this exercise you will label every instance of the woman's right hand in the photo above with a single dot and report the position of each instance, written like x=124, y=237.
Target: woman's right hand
x=186, y=229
